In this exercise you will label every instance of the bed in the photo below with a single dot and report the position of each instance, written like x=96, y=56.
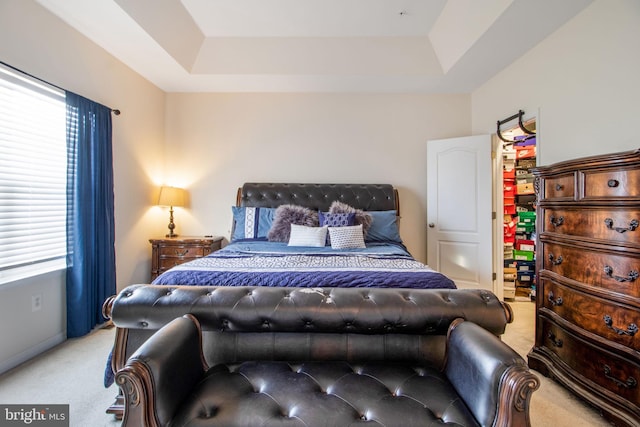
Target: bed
x=311, y=235
x=259, y=254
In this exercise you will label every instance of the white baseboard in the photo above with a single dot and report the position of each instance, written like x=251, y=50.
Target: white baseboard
x=32, y=352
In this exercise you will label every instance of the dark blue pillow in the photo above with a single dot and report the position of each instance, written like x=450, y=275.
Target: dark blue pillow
x=336, y=220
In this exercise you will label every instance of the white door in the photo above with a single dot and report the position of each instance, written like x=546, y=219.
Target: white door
x=459, y=210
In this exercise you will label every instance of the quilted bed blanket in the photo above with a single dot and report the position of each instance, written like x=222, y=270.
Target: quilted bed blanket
x=260, y=263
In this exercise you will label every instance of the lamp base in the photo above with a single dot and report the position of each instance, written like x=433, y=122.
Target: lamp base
x=171, y=225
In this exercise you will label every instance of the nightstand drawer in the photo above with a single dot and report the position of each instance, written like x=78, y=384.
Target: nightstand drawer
x=182, y=251
x=167, y=263
x=170, y=252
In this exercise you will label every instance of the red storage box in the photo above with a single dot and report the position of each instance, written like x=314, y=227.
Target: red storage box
x=509, y=174
x=525, y=245
x=526, y=152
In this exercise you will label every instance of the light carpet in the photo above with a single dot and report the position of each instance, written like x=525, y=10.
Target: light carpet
x=72, y=373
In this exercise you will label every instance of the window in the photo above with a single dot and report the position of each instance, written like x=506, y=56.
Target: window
x=33, y=176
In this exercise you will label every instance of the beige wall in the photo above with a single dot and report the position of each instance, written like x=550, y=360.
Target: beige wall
x=215, y=142
x=35, y=41
x=583, y=80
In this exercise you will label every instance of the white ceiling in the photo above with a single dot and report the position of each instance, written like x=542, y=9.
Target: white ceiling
x=423, y=46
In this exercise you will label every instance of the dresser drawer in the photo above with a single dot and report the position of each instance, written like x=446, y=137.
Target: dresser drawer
x=621, y=225
x=617, y=273
x=619, y=183
x=559, y=187
x=181, y=251
x=616, y=323
x=610, y=371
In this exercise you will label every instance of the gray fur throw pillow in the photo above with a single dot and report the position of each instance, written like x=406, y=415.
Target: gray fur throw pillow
x=286, y=215
x=361, y=216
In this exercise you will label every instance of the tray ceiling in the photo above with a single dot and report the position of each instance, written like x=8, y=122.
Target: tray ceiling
x=415, y=46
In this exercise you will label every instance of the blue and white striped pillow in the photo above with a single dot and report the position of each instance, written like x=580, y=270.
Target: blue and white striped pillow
x=251, y=222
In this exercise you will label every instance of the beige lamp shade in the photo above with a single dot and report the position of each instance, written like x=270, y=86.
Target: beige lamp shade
x=172, y=196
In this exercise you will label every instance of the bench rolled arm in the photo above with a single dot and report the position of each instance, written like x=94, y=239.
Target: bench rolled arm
x=162, y=373
x=492, y=378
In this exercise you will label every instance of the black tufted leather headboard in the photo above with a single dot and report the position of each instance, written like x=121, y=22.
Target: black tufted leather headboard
x=368, y=197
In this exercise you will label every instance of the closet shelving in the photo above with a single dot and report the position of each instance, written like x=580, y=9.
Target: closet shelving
x=518, y=158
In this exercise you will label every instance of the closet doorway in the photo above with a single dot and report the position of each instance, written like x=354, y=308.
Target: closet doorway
x=465, y=210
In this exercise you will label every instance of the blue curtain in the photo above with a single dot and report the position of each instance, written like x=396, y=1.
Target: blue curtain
x=91, y=275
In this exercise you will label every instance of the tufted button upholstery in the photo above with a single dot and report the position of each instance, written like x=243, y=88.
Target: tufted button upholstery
x=316, y=357
x=361, y=310
x=370, y=197
x=324, y=394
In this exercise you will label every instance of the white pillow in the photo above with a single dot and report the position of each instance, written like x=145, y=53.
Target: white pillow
x=302, y=235
x=349, y=237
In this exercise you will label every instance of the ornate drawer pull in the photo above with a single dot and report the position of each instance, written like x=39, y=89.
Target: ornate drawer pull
x=556, y=222
x=633, y=224
x=558, y=301
x=612, y=183
x=554, y=260
x=559, y=187
x=633, y=275
x=183, y=253
x=632, y=329
x=629, y=383
x=556, y=342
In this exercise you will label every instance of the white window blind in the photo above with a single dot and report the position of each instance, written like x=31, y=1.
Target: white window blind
x=33, y=169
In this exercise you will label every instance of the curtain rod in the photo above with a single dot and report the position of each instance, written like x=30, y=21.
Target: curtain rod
x=113, y=110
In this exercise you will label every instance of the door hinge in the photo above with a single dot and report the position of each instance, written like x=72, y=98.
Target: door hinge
x=494, y=276
x=493, y=215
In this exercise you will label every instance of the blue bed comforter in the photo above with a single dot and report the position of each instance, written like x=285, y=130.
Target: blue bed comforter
x=261, y=263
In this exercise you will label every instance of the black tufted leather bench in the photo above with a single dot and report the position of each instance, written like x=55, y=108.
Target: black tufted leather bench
x=316, y=357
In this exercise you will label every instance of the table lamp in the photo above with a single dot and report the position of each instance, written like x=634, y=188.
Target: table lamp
x=171, y=196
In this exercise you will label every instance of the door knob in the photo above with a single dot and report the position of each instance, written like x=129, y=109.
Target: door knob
x=431, y=225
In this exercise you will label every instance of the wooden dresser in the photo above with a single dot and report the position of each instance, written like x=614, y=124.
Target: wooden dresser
x=588, y=263
x=169, y=252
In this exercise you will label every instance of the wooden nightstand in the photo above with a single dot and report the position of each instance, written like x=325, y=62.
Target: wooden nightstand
x=169, y=252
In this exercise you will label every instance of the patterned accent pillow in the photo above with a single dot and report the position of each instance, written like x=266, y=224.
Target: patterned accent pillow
x=361, y=217
x=286, y=215
x=302, y=235
x=350, y=237
x=336, y=220
x=251, y=222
